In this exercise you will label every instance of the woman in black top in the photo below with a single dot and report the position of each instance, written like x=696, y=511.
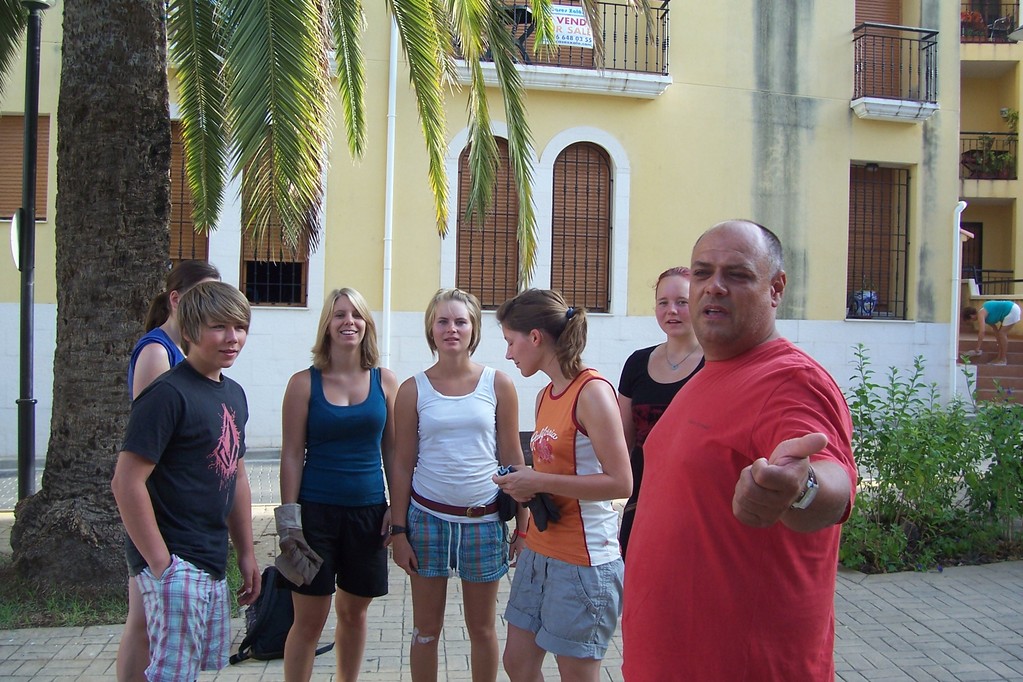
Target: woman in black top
x=652, y=376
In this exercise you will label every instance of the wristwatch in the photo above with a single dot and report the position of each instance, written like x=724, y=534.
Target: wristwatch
x=397, y=530
x=809, y=492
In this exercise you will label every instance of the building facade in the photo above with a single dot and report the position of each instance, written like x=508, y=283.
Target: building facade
x=836, y=126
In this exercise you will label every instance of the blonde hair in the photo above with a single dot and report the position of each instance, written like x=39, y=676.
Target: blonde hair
x=209, y=303
x=471, y=303
x=547, y=311
x=369, y=353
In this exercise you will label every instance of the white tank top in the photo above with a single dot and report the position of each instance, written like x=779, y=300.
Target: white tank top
x=457, y=447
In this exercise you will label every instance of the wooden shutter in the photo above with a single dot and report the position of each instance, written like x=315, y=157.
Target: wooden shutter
x=185, y=244
x=581, y=226
x=488, y=255
x=12, y=158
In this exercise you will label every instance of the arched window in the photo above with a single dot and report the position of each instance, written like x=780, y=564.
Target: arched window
x=488, y=255
x=581, y=226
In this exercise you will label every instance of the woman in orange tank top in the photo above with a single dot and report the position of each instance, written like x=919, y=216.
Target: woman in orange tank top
x=580, y=460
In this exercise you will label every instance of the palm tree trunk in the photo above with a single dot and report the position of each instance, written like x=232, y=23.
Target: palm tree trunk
x=113, y=206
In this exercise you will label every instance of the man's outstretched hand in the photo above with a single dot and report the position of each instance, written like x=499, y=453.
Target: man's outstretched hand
x=767, y=488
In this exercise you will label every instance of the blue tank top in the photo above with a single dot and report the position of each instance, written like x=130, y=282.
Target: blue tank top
x=159, y=336
x=997, y=310
x=342, y=451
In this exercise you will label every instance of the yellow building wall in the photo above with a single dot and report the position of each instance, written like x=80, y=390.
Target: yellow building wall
x=12, y=102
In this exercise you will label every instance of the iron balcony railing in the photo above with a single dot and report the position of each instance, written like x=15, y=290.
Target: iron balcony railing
x=631, y=43
x=895, y=62
x=987, y=156
x=992, y=282
x=987, y=21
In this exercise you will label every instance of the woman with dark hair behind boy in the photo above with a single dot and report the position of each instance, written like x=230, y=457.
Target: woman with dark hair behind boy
x=162, y=346
x=160, y=349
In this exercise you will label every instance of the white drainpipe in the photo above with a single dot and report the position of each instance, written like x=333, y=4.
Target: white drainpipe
x=957, y=268
x=392, y=96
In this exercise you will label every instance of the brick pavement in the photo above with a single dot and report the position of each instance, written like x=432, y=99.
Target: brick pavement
x=963, y=624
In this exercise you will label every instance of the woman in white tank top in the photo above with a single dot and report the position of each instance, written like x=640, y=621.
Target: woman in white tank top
x=455, y=424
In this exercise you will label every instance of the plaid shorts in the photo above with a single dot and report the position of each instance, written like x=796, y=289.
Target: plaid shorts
x=187, y=620
x=475, y=552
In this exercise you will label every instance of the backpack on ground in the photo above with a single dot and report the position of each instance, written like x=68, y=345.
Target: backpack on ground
x=267, y=622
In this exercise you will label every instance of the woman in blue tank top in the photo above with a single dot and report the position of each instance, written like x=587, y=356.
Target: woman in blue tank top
x=337, y=434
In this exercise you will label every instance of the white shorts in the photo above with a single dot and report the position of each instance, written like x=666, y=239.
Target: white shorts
x=1013, y=316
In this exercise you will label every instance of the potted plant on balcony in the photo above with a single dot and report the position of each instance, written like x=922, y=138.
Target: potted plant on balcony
x=863, y=301
x=972, y=27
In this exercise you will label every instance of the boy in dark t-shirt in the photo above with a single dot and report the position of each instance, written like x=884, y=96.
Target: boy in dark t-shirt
x=181, y=489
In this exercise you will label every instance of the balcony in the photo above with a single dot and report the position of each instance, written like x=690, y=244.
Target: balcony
x=635, y=60
x=895, y=73
x=983, y=21
x=987, y=156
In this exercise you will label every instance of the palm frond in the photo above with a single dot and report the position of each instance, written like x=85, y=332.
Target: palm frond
x=419, y=30
x=13, y=18
x=278, y=89
x=196, y=47
x=592, y=10
x=519, y=139
x=347, y=23
x=483, y=152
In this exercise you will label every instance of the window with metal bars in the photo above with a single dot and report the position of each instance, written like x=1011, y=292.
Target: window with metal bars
x=488, y=253
x=185, y=242
x=878, y=242
x=581, y=226
x=12, y=159
x=272, y=272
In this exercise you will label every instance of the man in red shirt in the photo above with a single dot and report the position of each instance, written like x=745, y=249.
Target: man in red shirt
x=733, y=557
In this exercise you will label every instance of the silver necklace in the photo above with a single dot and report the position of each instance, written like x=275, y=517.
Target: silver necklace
x=675, y=365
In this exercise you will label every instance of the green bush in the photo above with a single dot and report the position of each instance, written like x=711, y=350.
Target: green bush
x=940, y=483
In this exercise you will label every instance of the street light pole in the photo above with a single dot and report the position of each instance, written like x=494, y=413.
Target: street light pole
x=27, y=250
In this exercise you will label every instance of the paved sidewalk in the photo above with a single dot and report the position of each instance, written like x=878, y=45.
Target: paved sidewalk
x=962, y=624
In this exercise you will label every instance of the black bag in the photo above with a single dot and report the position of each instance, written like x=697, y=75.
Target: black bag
x=507, y=507
x=267, y=622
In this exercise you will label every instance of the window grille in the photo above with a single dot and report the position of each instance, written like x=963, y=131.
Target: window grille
x=488, y=254
x=272, y=272
x=12, y=159
x=581, y=227
x=185, y=243
x=878, y=240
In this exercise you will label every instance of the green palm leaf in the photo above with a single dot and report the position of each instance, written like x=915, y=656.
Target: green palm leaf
x=13, y=18
x=278, y=93
x=520, y=145
x=420, y=31
x=196, y=44
x=347, y=23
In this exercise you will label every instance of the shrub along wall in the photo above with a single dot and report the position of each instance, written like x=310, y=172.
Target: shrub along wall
x=940, y=483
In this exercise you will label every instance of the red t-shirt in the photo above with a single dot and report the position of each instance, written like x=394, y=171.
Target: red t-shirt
x=706, y=597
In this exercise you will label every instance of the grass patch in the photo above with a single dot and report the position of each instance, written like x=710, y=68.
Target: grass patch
x=26, y=605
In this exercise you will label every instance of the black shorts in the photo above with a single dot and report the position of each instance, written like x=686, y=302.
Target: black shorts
x=349, y=540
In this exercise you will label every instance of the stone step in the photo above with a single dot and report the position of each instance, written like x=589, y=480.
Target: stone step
x=1008, y=377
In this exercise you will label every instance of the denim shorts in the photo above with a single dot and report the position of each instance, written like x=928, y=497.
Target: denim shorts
x=348, y=540
x=572, y=610
x=187, y=620
x=475, y=552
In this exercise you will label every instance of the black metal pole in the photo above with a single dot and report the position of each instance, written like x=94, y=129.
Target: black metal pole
x=26, y=259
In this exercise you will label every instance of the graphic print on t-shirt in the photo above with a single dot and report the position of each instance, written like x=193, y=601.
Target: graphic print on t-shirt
x=541, y=443
x=224, y=458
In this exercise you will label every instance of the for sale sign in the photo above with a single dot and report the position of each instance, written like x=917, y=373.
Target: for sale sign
x=571, y=27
